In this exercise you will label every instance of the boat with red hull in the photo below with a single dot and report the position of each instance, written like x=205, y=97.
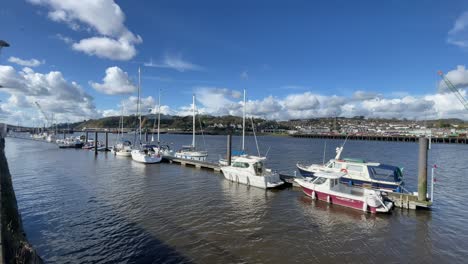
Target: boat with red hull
x=326, y=186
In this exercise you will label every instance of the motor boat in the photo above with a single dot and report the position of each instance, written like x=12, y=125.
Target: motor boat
x=69, y=143
x=326, y=186
x=250, y=170
x=359, y=172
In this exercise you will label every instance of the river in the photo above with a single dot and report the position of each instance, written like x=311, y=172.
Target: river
x=81, y=208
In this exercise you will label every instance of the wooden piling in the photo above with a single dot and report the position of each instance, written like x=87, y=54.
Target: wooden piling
x=146, y=137
x=95, y=142
x=64, y=135
x=86, y=137
x=422, y=169
x=107, y=140
x=229, y=146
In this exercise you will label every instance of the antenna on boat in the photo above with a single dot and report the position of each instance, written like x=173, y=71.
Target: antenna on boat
x=324, y=150
x=255, y=136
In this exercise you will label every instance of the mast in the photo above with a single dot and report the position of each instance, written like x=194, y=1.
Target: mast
x=193, y=109
x=159, y=111
x=138, y=102
x=243, y=125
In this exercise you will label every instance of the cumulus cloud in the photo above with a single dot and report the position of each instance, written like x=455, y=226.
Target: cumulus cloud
x=52, y=91
x=458, y=77
x=116, y=81
x=458, y=35
x=175, y=62
x=27, y=63
x=362, y=95
x=104, y=17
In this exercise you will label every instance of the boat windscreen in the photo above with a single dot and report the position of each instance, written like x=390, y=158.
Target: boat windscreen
x=384, y=172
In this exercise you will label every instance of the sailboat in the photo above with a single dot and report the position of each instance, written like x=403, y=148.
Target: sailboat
x=123, y=147
x=190, y=152
x=162, y=149
x=143, y=154
x=248, y=169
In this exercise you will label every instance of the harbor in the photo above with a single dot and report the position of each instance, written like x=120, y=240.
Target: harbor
x=157, y=202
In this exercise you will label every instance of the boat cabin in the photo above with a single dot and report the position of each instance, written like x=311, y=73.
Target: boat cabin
x=254, y=165
x=372, y=170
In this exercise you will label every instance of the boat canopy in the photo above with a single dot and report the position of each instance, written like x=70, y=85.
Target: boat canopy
x=249, y=159
x=329, y=174
x=385, y=172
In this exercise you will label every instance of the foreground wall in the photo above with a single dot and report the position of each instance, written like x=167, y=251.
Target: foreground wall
x=14, y=246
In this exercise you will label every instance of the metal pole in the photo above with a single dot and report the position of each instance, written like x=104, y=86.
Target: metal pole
x=86, y=137
x=95, y=142
x=229, y=146
x=146, y=136
x=432, y=184
x=64, y=135
x=422, y=169
x=107, y=140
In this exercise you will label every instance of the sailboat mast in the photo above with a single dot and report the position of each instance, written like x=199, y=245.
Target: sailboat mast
x=193, y=109
x=243, y=125
x=159, y=111
x=138, y=103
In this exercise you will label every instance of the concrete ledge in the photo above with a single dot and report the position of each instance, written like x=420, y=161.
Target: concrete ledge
x=15, y=248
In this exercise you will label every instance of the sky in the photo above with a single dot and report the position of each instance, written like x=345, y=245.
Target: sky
x=296, y=59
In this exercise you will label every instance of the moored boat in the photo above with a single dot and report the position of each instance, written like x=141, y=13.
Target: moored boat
x=191, y=152
x=326, y=186
x=358, y=172
x=146, y=154
x=250, y=170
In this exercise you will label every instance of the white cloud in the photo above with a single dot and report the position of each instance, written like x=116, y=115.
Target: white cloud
x=65, y=39
x=116, y=81
x=108, y=48
x=362, y=95
x=105, y=17
x=458, y=77
x=175, y=62
x=27, y=63
x=51, y=90
x=458, y=35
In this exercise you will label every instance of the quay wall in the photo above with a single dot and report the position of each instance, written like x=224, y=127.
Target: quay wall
x=15, y=248
x=446, y=140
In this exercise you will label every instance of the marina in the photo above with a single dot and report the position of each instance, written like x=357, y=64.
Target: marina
x=147, y=185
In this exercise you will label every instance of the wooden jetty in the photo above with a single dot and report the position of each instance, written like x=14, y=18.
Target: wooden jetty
x=193, y=163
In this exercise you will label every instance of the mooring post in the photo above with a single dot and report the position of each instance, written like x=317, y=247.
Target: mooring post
x=64, y=135
x=422, y=169
x=229, y=146
x=107, y=140
x=95, y=142
x=146, y=136
x=86, y=137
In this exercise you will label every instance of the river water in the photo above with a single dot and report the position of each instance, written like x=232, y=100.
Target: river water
x=81, y=208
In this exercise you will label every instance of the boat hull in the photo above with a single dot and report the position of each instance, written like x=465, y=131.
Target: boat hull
x=264, y=182
x=123, y=153
x=145, y=158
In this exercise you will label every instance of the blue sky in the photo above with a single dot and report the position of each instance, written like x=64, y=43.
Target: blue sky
x=298, y=59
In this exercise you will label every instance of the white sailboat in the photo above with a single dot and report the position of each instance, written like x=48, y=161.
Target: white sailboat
x=143, y=154
x=190, y=152
x=122, y=147
x=162, y=149
x=250, y=170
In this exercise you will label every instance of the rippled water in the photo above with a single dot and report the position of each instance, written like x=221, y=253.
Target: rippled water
x=81, y=208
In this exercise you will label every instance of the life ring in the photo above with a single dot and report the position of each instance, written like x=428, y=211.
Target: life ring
x=344, y=170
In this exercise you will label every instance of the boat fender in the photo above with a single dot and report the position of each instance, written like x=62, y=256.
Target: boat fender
x=313, y=195
x=328, y=199
x=344, y=170
x=364, y=207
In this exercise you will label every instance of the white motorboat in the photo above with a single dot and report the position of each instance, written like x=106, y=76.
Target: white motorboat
x=190, y=152
x=359, y=172
x=250, y=170
x=326, y=186
x=145, y=153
